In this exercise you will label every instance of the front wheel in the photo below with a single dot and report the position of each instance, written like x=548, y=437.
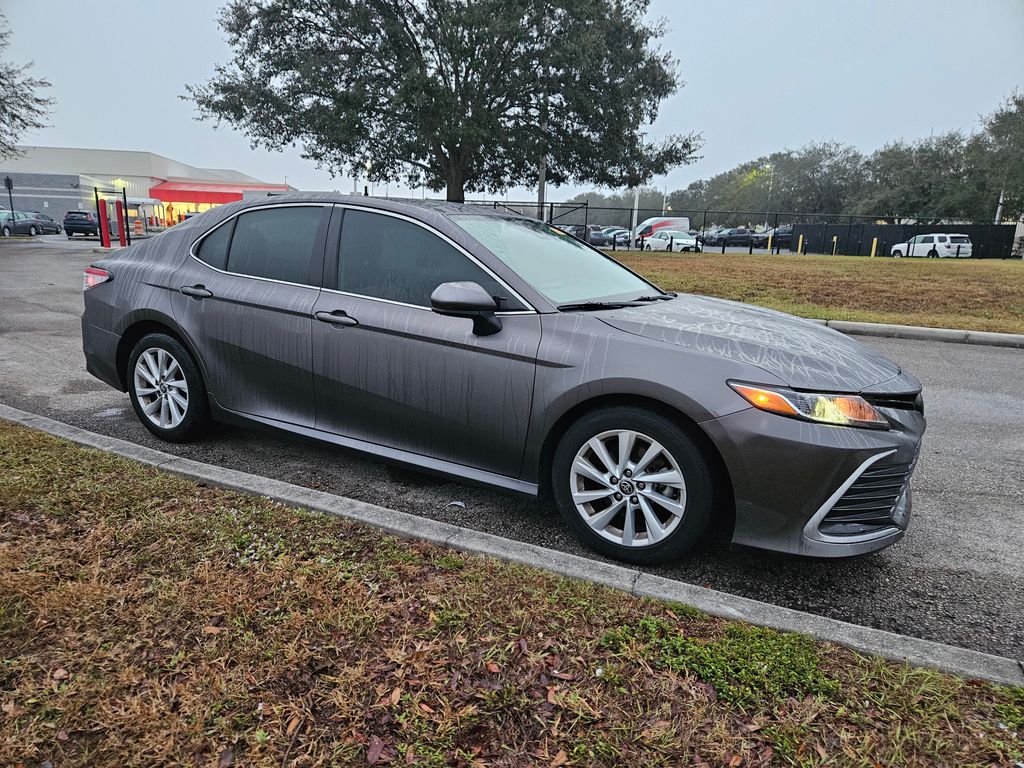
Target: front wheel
x=632, y=485
x=647, y=247
x=897, y=254
x=166, y=389
x=33, y=231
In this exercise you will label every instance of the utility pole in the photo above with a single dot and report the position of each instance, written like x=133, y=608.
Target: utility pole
x=542, y=169
x=10, y=197
x=999, y=208
x=768, y=199
x=636, y=209
x=542, y=161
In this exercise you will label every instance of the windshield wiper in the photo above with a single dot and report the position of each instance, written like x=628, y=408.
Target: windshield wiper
x=587, y=306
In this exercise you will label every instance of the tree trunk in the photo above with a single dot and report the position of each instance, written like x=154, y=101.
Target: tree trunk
x=456, y=184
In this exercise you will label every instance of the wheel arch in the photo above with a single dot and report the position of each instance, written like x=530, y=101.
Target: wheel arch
x=723, y=517
x=141, y=325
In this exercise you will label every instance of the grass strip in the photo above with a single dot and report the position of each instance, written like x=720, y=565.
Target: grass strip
x=148, y=620
x=970, y=294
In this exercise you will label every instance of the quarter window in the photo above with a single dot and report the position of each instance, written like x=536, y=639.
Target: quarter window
x=213, y=250
x=385, y=257
x=275, y=243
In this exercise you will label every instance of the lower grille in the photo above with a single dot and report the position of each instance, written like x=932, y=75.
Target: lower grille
x=868, y=505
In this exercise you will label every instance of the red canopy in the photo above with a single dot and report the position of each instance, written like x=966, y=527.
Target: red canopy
x=207, y=192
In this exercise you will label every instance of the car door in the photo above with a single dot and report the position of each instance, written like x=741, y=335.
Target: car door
x=927, y=245
x=245, y=299
x=388, y=370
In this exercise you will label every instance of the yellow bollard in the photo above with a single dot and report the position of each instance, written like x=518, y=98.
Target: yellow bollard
x=874, y=246
x=835, y=244
x=770, y=243
x=800, y=245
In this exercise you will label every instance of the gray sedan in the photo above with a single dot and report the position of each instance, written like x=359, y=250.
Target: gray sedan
x=500, y=350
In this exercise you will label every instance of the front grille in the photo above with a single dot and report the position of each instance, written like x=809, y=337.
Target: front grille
x=868, y=504
x=898, y=402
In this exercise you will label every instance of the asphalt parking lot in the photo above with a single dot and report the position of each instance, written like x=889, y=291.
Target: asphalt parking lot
x=957, y=577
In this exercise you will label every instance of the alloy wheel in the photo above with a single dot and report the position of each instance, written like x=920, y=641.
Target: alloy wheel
x=628, y=488
x=161, y=388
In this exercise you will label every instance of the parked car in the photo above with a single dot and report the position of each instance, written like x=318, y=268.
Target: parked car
x=730, y=236
x=597, y=236
x=670, y=240
x=49, y=226
x=934, y=246
x=622, y=237
x=587, y=233
x=81, y=222
x=487, y=346
x=782, y=237
x=19, y=223
x=648, y=227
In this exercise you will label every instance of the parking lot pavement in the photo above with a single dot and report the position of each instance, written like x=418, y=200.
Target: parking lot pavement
x=957, y=577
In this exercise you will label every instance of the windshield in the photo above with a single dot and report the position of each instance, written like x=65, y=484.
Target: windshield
x=556, y=264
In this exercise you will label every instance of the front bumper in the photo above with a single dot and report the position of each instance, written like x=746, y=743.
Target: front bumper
x=818, y=490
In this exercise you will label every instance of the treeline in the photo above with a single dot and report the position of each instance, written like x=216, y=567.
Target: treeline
x=950, y=176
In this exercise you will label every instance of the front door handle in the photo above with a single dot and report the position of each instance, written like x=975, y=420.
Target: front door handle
x=337, y=317
x=196, y=291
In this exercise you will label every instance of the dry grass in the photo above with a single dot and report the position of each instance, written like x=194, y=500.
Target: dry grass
x=976, y=294
x=146, y=620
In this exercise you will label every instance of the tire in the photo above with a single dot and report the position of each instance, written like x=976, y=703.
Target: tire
x=588, y=519
x=897, y=254
x=647, y=247
x=933, y=254
x=32, y=231
x=164, y=358
x=7, y=231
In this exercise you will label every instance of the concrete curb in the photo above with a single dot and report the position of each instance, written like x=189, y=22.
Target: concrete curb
x=921, y=333
x=900, y=648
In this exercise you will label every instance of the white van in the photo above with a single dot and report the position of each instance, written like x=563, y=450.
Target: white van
x=648, y=227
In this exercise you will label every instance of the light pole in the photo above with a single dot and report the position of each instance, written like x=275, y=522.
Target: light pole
x=768, y=199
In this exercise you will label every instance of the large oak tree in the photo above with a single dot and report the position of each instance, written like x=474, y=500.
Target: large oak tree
x=461, y=95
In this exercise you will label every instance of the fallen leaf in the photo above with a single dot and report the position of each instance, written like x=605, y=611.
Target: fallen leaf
x=562, y=676
x=560, y=759
x=292, y=725
x=227, y=759
x=61, y=674
x=62, y=735
x=734, y=761
x=396, y=695
x=671, y=614
x=551, y=694
x=9, y=708
x=426, y=708
x=492, y=667
x=410, y=756
x=212, y=630
x=373, y=753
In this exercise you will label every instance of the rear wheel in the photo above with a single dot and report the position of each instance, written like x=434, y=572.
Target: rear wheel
x=166, y=389
x=7, y=231
x=632, y=485
x=933, y=254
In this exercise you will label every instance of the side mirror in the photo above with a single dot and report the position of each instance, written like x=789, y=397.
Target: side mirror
x=467, y=300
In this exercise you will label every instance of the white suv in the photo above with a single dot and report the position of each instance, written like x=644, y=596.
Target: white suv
x=933, y=246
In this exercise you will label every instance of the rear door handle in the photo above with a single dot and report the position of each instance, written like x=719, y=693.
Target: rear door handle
x=196, y=291
x=337, y=317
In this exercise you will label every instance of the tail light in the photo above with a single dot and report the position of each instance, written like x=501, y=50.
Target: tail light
x=93, y=277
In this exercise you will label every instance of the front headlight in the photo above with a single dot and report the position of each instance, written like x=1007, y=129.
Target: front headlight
x=843, y=410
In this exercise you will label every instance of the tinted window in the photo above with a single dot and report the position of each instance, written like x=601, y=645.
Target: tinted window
x=927, y=239
x=390, y=258
x=276, y=243
x=959, y=239
x=214, y=248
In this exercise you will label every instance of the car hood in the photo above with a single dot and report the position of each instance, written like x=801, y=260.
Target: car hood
x=803, y=354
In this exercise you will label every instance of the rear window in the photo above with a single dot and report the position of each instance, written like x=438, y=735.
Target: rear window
x=275, y=243
x=959, y=239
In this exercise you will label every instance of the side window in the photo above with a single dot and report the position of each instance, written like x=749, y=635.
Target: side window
x=213, y=250
x=389, y=258
x=928, y=239
x=275, y=243
x=942, y=238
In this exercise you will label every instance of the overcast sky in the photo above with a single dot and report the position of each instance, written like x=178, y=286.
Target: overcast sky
x=760, y=76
